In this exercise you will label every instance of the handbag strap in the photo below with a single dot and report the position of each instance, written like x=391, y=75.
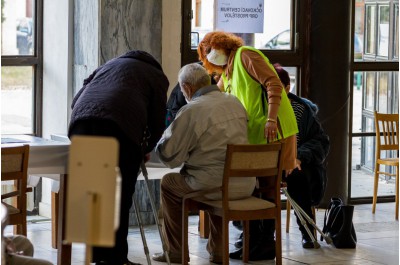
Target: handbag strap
x=331, y=213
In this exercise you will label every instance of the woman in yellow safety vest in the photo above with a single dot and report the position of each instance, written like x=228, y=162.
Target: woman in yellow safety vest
x=248, y=74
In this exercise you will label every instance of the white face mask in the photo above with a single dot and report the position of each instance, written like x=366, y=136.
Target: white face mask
x=217, y=57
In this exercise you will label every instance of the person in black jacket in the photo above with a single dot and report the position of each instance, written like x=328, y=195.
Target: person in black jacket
x=125, y=98
x=175, y=102
x=306, y=183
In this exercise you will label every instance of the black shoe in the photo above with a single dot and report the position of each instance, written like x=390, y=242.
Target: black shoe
x=307, y=242
x=262, y=251
x=160, y=257
x=215, y=259
x=237, y=254
x=238, y=225
x=239, y=242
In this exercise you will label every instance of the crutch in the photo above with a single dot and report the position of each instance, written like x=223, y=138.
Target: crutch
x=153, y=207
x=301, y=215
x=139, y=220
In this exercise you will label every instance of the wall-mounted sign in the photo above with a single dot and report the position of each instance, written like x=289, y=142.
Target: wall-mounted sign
x=240, y=16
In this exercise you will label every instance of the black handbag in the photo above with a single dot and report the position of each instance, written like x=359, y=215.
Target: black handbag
x=338, y=224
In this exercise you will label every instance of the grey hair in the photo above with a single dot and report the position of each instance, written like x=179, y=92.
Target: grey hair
x=195, y=75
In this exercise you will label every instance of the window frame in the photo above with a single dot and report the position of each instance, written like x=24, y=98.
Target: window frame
x=36, y=62
x=371, y=63
x=288, y=58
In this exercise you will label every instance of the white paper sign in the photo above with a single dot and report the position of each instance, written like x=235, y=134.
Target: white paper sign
x=240, y=16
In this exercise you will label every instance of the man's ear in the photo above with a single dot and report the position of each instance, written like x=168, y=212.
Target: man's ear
x=188, y=89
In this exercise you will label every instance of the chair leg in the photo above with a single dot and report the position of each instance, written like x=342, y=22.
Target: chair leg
x=246, y=241
x=278, y=241
x=288, y=207
x=397, y=193
x=20, y=229
x=17, y=229
x=376, y=177
x=225, y=240
x=204, y=224
x=185, y=224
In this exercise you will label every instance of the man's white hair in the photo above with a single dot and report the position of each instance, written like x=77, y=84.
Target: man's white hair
x=195, y=75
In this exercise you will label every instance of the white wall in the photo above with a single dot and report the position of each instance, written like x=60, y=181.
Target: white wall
x=57, y=60
x=57, y=70
x=171, y=40
x=57, y=78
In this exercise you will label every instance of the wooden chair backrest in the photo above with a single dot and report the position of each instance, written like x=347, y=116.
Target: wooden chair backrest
x=248, y=160
x=387, y=131
x=14, y=167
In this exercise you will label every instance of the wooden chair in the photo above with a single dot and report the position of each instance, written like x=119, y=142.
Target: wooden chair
x=14, y=166
x=262, y=161
x=387, y=139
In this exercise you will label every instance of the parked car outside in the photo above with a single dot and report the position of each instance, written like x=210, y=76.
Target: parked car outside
x=280, y=42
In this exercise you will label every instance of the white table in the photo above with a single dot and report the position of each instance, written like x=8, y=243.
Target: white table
x=49, y=158
x=45, y=156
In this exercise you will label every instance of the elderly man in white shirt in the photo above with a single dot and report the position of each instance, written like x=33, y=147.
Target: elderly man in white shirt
x=197, y=138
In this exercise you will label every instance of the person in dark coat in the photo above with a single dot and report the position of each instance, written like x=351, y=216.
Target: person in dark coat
x=125, y=98
x=175, y=102
x=307, y=182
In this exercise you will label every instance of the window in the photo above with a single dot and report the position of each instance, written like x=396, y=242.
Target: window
x=376, y=25
x=375, y=87
x=276, y=32
x=21, y=69
x=276, y=38
x=370, y=29
x=396, y=32
x=17, y=103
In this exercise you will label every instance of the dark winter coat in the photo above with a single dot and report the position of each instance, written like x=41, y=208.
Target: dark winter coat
x=131, y=91
x=175, y=102
x=312, y=148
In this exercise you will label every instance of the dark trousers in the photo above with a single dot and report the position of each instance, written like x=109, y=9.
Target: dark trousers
x=299, y=188
x=130, y=157
x=263, y=231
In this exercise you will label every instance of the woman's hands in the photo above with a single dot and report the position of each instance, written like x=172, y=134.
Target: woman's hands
x=271, y=131
x=298, y=166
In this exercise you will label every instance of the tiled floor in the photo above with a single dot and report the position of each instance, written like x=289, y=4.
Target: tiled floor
x=378, y=242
